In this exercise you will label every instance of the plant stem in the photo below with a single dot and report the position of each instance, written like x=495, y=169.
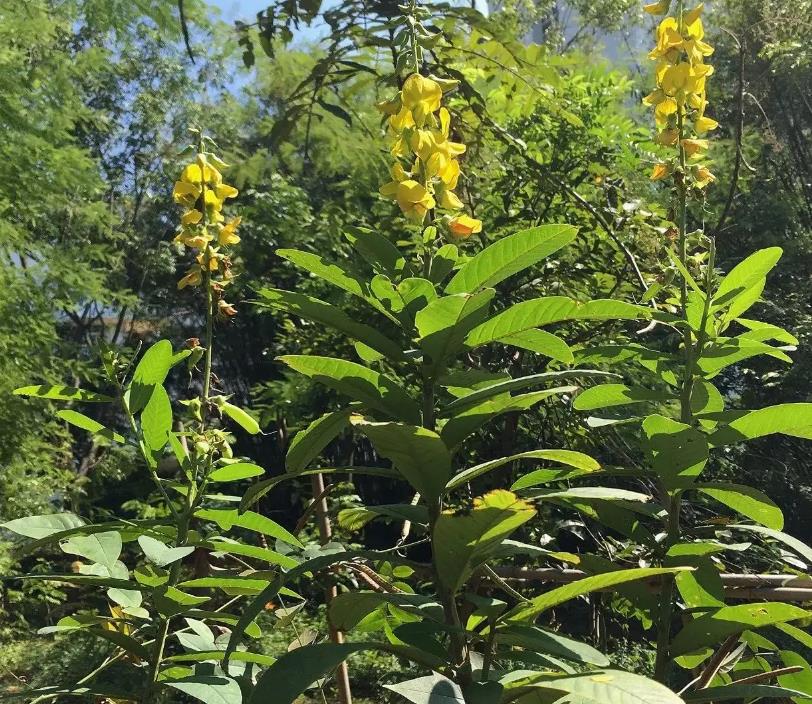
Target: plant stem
x=666, y=613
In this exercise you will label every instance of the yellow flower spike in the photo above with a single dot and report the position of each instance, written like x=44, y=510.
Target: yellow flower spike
x=422, y=96
x=228, y=233
x=705, y=124
x=463, y=226
x=413, y=198
x=658, y=8
x=193, y=277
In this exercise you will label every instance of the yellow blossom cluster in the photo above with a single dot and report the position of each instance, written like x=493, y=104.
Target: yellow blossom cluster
x=202, y=193
x=427, y=169
x=680, y=100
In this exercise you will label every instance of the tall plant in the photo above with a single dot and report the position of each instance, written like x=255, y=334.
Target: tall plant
x=417, y=394
x=710, y=334
x=164, y=579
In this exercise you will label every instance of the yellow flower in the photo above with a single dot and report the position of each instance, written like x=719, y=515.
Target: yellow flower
x=422, y=143
x=214, y=258
x=660, y=172
x=463, y=226
x=422, y=96
x=402, y=120
x=694, y=146
x=448, y=199
x=668, y=137
x=702, y=176
x=705, y=124
x=228, y=233
x=193, y=278
x=658, y=8
x=391, y=106
x=191, y=217
x=413, y=198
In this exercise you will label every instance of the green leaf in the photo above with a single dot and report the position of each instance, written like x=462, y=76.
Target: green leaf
x=308, y=444
x=218, y=655
x=381, y=254
x=432, y=689
x=545, y=311
x=541, y=342
x=348, y=609
x=712, y=628
x=355, y=518
x=323, y=313
x=62, y=393
x=679, y=452
x=149, y=374
x=606, y=395
x=794, y=419
x=295, y=671
x=510, y=255
x=523, y=382
x=236, y=471
x=458, y=428
x=417, y=453
x=233, y=584
x=567, y=457
x=739, y=693
x=747, y=501
x=800, y=681
x=329, y=271
x=539, y=640
x=241, y=417
x=211, y=689
x=600, y=687
x=798, y=546
x=161, y=554
x=746, y=274
x=260, y=489
x=39, y=527
x=443, y=324
x=359, y=383
x=253, y=551
x=464, y=540
x=156, y=421
x=103, y=548
x=228, y=518
x=560, y=595
x=725, y=352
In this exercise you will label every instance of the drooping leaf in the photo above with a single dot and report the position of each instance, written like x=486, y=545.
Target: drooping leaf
x=62, y=393
x=510, y=255
x=541, y=342
x=725, y=352
x=487, y=391
x=747, y=501
x=103, y=548
x=545, y=311
x=607, y=395
x=228, y=518
x=568, y=457
x=160, y=554
x=464, y=540
x=543, y=602
x=324, y=313
x=210, y=689
x=39, y=527
x=419, y=454
x=348, y=609
x=794, y=419
x=797, y=546
x=242, y=418
x=679, y=452
x=432, y=689
x=712, y=628
x=381, y=254
x=600, y=687
x=307, y=444
x=80, y=420
x=371, y=388
x=540, y=640
x=236, y=471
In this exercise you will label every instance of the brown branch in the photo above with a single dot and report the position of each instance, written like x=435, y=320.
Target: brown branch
x=765, y=676
x=716, y=662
